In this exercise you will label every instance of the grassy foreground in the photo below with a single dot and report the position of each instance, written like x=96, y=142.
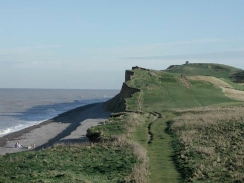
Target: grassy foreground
x=174, y=129
x=210, y=144
x=69, y=163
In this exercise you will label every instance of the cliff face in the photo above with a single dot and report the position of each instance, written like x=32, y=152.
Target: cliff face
x=128, y=75
x=117, y=103
x=127, y=92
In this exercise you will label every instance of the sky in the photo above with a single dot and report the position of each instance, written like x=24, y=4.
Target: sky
x=80, y=44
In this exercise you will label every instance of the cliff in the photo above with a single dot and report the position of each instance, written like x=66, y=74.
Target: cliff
x=117, y=103
x=128, y=75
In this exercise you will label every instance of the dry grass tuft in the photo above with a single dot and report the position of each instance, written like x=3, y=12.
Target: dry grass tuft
x=210, y=144
x=140, y=171
x=228, y=90
x=234, y=94
x=211, y=79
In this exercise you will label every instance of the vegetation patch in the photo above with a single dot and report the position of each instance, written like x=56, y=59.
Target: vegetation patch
x=228, y=88
x=69, y=163
x=204, y=69
x=210, y=144
x=162, y=90
x=129, y=122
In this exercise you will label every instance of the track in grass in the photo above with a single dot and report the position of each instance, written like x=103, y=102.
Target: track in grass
x=159, y=149
x=160, y=153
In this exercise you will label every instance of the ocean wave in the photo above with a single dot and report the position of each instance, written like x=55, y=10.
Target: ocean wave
x=18, y=127
x=8, y=130
x=5, y=131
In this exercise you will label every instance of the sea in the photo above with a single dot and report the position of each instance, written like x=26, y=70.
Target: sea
x=21, y=108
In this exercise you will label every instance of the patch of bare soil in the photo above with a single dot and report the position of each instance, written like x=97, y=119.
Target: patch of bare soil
x=211, y=79
x=234, y=94
x=228, y=90
x=186, y=82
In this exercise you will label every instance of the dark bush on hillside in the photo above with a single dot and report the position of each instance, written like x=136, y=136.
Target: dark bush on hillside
x=238, y=77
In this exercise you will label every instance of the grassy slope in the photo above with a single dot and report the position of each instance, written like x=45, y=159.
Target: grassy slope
x=163, y=90
x=226, y=73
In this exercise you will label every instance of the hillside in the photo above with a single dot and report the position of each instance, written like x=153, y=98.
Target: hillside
x=176, y=87
x=215, y=70
x=205, y=99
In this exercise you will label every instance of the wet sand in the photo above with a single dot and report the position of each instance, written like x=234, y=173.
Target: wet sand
x=68, y=127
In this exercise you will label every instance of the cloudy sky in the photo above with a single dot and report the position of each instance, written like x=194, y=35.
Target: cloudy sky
x=90, y=44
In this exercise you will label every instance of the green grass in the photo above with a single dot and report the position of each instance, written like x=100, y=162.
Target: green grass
x=160, y=153
x=159, y=149
x=112, y=127
x=162, y=90
x=141, y=133
x=68, y=163
x=129, y=121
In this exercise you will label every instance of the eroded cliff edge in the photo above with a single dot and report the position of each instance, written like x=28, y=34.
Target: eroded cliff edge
x=118, y=103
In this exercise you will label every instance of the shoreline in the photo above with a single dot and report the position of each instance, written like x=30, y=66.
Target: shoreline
x=61, y=128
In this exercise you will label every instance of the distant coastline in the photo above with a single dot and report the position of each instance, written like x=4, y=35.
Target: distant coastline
x=21, y=108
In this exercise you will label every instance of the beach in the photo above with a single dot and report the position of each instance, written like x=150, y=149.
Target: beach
x=68, y=127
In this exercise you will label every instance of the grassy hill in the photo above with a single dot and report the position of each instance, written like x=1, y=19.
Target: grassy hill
x=166, y=96
x=216, y=70
x=166, y=126
x=168, y=90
